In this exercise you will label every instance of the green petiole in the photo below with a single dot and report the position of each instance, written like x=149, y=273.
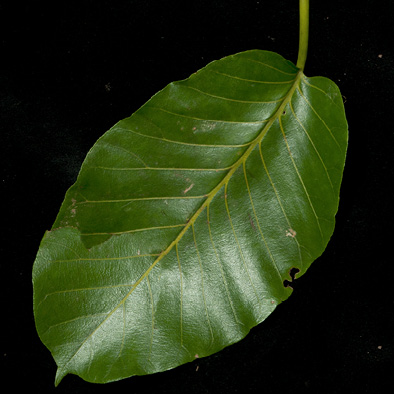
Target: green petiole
x=304, y=31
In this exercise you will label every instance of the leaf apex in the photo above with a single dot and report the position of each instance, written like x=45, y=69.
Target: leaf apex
x=60, y=374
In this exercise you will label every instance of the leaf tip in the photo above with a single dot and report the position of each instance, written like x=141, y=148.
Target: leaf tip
x=60, y=374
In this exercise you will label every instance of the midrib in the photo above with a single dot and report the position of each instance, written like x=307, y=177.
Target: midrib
x=223, y=182
x=210, y=196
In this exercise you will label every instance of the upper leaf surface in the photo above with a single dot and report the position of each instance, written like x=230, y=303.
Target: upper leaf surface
x=187, y=217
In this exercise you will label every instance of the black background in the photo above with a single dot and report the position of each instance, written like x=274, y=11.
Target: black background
x=70, y=70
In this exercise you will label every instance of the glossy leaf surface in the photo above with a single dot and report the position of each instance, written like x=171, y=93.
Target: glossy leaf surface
x=187, y=217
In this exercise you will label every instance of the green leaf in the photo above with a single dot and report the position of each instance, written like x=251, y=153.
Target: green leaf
x=187, y=218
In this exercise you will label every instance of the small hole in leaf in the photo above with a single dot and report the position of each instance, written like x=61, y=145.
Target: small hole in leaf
x=290, y=283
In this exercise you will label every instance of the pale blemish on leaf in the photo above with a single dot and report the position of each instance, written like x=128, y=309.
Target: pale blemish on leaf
x=188, y=189
x=291, y=233
x=73, y=207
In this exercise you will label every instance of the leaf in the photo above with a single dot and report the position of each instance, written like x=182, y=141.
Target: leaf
x=187, y=218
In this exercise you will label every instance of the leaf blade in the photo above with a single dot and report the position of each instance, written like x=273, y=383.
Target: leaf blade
x=190, y=194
